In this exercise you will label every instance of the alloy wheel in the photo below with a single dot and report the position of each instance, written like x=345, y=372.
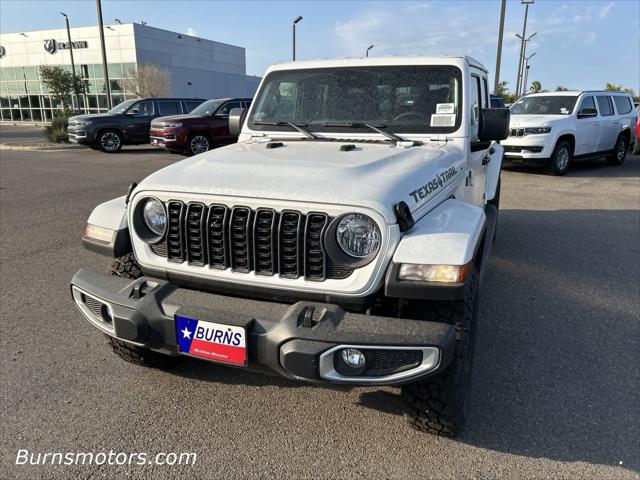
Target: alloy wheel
x=199, y=144
x=110, y=141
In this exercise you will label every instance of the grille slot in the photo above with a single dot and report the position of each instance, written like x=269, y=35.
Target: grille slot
x=289, y=242
x=386, y=362
x=315, y=259
x=175, y=234
x=239, y=239
x=194, y=234
x=264, y=241
x=217, y=225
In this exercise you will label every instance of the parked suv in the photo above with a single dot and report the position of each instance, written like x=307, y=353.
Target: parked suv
x=125, y=124
x=342, y=240
x=198, y=131
x=553, y=129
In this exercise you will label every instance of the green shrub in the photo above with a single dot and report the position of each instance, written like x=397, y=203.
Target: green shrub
x=57, y=131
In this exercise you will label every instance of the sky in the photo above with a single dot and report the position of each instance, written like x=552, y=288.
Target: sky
x=578, y=44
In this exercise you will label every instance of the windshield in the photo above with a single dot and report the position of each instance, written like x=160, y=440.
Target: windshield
x=546, y=105
x=206, y=108
x=122, y=107
x=403, y=99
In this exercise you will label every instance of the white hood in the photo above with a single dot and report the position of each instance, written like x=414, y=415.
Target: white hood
x=376, y=176
x=517, y=121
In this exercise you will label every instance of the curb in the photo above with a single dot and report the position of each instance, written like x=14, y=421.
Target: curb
x=41, y=148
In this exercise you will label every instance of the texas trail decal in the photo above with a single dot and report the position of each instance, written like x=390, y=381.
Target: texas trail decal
x=222, y=343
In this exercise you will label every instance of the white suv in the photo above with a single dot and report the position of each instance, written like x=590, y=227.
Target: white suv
x=554, y=128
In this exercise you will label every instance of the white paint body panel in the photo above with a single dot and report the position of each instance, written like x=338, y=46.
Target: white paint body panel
x=111, y=214
x=446, y=236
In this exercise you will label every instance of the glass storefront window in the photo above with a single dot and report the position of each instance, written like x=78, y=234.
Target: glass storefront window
x=24, y=101
x=116, y=85
x=31, y=73
x=115, y=70
x=93, y=102
x=37, y=115
x=102, y=101
x=35, y=101
x=26, y=115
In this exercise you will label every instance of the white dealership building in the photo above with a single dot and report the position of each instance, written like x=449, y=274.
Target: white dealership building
x=197, y=67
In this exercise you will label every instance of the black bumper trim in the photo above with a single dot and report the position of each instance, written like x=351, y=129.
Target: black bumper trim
x=283, y=338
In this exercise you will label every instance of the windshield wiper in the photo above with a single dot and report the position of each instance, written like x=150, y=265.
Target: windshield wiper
x=297, y=126
x=381, y=129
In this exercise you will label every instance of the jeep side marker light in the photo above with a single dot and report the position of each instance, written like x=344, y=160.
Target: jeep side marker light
x=100, y=234
x=435, y=273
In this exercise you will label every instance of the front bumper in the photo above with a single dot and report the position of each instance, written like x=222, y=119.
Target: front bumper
x=297, y=341
x=528, y=148
x=167, y=137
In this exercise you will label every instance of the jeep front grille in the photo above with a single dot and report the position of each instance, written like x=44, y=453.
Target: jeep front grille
x=265, y=241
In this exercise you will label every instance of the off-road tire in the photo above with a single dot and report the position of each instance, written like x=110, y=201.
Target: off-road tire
x=496, y=201
x=559, y=163
x=616, y=158
x=142, y=356
x=127, y=267
x=195, y=139
x=438, y=404
x=105, y=145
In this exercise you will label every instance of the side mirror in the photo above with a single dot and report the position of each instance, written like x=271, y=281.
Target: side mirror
x=237, y=117
x=494, y=124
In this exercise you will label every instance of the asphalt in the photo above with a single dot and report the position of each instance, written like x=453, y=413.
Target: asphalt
x=20, y=133
x=556, y=379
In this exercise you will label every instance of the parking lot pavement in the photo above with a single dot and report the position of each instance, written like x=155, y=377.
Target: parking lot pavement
x=556, y=377
x=20, y=133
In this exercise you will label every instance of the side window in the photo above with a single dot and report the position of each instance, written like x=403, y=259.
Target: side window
x=474, y=108
x=246, y=104
x=623, y=104
x=142, y=109
x=224, y=110
x=169, y=108
x=604, y=105
x=587, y=107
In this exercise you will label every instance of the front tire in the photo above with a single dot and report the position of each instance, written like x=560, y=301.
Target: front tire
x=110, y=141
x=127, y=267
x=560, y=159
x=439, y=404
x=619, y=152
x=198, y=143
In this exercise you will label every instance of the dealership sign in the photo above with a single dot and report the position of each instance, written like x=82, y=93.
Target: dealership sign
x=3, y=51
x=52, y=46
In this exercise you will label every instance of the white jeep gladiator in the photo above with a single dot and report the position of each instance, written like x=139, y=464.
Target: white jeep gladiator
x=342, y=240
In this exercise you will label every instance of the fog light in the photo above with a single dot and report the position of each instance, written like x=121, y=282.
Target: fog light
x=350, y=362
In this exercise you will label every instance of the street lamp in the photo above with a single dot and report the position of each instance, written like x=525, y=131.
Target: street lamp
x=526, y=71
x=104, y=54
x=496, y=79
x=118, y=21
x=73, y=65
x=526, y=4
x=296, y=20
x=524, y=53
x=367, y=52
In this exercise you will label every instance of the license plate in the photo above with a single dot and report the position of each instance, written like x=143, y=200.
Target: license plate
x=154, y=141
x=213, y=341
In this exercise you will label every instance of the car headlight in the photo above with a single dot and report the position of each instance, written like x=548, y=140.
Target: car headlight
x=82, y=123
x=172, y=125
x=154, y=216
x=536, y=130
x=358, y=235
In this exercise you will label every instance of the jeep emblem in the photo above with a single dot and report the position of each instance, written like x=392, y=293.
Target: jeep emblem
x=50, y=46
x=3, y=51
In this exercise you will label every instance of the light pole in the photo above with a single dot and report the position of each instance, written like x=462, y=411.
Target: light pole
x=526, y=71
x=296, y=20
x=366, y=54
x=524, y=54
x=73, y=65
x=104, y=54
x=496, y=82
x=526, y=4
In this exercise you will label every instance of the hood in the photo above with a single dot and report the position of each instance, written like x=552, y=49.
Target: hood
x=535, y=120
x=93, y=116
x=177, y=118
x=376, y=176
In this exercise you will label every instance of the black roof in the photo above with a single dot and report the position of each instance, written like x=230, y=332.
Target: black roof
x=176, y=99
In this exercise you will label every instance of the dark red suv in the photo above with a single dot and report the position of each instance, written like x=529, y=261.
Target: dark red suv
x=204, y=127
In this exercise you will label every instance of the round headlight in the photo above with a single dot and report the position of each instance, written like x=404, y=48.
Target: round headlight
x=358, y=235
x=154, y=216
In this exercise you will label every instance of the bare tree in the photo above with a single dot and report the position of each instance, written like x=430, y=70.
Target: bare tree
x=148, y=81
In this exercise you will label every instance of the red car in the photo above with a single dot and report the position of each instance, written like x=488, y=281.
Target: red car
x=203, y=128
x=636, y=147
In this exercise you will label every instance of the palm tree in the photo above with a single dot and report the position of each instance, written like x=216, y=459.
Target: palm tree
x=536, y=87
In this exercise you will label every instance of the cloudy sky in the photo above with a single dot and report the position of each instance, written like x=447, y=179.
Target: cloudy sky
x=579, y=44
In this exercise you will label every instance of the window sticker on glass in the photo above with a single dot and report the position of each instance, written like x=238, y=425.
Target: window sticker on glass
x=443, y=120
x=445, y=108
x=564, y=111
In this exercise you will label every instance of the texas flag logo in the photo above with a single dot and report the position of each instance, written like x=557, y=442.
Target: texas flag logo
x=222, y=343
